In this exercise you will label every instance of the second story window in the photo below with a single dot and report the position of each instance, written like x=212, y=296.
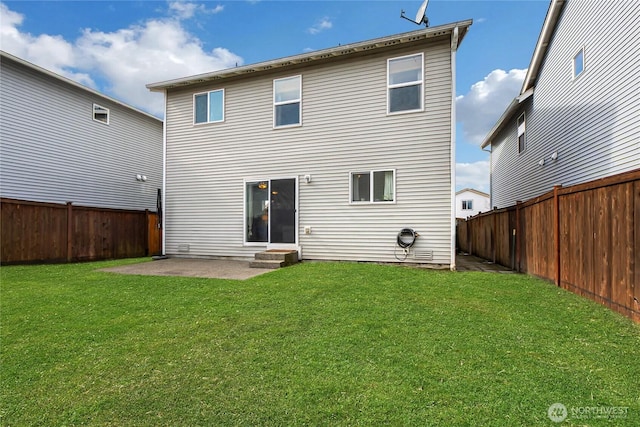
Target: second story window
x=100, y=114
x=521, y=133
x=208, y=107
x=578, y=63
x=467, y=205
x=405, y=83
x=287, y=101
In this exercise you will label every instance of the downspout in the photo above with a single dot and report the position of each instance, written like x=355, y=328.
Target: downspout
x=164, y=175
x=454, y=48
x=490, y=177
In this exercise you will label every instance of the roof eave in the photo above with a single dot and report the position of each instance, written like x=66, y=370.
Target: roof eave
x=507, y=115
x=548, y=28
x=315, y=56
x=72, y=83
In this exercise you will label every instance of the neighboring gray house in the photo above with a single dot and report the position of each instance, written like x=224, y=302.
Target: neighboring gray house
x=471, y=202
x=576, y=118
x=331, y=153
x=63, y=142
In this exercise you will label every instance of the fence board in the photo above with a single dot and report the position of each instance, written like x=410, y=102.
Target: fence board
x=635, y=283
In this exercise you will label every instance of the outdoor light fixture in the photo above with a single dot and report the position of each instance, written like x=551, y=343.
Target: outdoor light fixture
x=141, y=178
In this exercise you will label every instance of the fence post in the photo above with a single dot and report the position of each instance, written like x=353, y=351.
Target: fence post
x=494, y=243
x=518, y=239
x=69, y=232
x=556, y=229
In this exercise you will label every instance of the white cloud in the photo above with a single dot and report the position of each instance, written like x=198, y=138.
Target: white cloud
x=473, y=175
x=127, y=59
x=485, y=102
x=321, y=25
x=186, y=10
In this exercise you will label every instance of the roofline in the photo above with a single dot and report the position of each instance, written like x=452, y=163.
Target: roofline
x=548, y=28
x=508, y=113
x=539, y=53
x=316, y=56
x=68, y=81
x=473, y=190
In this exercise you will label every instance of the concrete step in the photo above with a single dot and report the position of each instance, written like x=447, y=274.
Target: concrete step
x=274, y=258
x=267, y=263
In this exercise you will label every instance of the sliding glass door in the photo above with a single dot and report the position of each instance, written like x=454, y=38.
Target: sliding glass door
x=270, y=211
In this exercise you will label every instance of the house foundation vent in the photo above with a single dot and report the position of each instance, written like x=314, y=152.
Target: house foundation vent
x=423, y=255
x=183, y=247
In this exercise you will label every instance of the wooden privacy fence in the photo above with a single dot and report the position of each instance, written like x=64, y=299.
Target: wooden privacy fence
x=585, y=238
x=33, y=232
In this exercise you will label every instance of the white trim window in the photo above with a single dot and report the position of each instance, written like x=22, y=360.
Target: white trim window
x=522, y=133
x=100, y=114
x=405, y=84
x=208, y=107
x=287, y=102
x=377, y=186
x=467, y=205
x=578, y=63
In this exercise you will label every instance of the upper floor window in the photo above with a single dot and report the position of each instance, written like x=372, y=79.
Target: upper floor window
x=100, y=114
x=521, y=133
x=405, y=83
x=373, y=186
x=467, y=205
x=578, y=63
x=287, y=101
x=208, y=107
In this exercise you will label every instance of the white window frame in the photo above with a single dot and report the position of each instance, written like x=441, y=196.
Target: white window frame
x=96, y=106
x=208, y=93
x=405, y=84
x=290, y=101
x=467, y=205
x=371, y=188
x=521, y=130
x=575, y=73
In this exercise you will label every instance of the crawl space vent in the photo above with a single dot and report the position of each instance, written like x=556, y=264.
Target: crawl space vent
x=423, y=255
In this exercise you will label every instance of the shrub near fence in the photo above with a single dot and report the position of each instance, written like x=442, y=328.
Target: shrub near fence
x=585, y=238
x=48, y=232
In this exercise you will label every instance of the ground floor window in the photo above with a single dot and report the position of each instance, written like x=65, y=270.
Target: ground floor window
x=373, y=186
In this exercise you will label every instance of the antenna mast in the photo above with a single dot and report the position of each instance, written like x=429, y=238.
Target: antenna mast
x=421, y=15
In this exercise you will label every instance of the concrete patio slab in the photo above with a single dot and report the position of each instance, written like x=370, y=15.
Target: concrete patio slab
x=465, y=262
x=192, y=267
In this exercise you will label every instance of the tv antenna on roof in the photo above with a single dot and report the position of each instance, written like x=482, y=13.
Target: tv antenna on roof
x=421, y=15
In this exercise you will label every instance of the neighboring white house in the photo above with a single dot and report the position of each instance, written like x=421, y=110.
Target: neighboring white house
x=63, y=142
x=576, y=118
x=331, y=153
x=470, y=202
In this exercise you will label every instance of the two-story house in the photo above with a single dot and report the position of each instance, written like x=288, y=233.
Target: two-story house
x=471, y=202
x=64, y=142
x=576, y=117
x=331, y=153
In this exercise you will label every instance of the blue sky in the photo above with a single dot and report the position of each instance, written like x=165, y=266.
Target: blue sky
x=117, y=47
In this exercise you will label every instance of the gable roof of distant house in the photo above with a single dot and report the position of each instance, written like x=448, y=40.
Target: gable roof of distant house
x=539, y=53
x=321, y=56
x=478, y=192
x=5, y=55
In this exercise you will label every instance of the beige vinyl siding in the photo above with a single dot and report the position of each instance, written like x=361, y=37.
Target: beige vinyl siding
x=345, y=128
x=592, y=121
x=53, y=151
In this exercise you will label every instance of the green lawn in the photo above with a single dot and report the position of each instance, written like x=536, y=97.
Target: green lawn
x=312, y=344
